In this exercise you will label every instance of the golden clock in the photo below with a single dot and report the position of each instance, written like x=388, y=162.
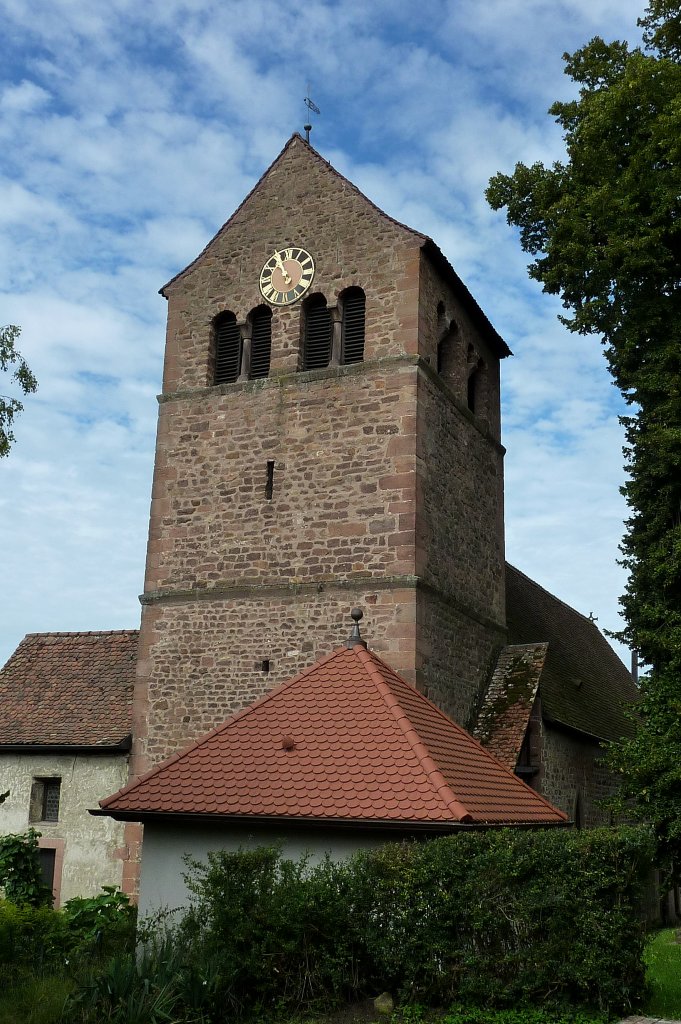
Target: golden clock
x=286, y=276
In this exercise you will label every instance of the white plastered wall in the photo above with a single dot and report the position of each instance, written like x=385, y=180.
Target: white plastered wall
x=162, y=885
x=92, y=847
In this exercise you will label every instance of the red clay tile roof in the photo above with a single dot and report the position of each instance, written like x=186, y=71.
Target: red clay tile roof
x=347, y=739
x=584, y=685
x=506, y=709
x=69, y=689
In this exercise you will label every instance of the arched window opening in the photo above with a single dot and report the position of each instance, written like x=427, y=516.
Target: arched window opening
x=352, y=329
x=261, y=342
x=447, y=350
x=476, y=369
x=318, y=333
x=227, y=348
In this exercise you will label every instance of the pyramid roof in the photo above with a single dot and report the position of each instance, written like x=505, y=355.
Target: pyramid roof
x=346, y=741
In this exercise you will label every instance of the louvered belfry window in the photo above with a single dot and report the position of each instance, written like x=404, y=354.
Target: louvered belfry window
x=318, y=334
x=261, y=342
x=354, y=305
x=227, y=349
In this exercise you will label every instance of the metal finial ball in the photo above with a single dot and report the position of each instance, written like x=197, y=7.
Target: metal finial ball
x=356, y=614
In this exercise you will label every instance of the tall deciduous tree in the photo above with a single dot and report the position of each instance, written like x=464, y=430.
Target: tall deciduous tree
x=9, y=406
x=604, y=228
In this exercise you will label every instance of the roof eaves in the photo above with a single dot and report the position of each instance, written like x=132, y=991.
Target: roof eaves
x=367, y=824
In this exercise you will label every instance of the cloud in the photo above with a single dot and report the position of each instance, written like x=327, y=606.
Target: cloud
x=130, y=133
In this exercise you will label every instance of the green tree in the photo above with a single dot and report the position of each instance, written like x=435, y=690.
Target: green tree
x=9, y=407
x=604, y=229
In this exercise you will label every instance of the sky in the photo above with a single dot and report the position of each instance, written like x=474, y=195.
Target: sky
x=129, y=133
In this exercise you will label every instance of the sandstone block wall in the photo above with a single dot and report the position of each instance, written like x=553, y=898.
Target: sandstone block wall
x=383, y=481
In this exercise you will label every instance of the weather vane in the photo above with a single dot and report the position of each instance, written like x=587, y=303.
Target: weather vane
x=312, y=109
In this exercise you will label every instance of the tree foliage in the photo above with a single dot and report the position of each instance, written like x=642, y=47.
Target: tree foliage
x=604, y=229
x=10, y=356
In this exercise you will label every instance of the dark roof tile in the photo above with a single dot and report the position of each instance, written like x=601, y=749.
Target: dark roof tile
x=69, y=689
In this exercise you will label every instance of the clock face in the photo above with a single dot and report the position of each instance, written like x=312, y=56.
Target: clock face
x=286, y=276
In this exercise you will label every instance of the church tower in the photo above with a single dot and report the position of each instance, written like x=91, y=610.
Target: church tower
x=328, y=437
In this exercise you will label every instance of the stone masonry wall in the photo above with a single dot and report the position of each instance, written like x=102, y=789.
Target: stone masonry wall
x=455, y=654
x=343, y=445
x=300, y=201
x=570, y=765
x=203, y=660
x=236, y=579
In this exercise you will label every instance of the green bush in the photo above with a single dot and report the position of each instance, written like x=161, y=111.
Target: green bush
x=497, y=918
x=40, y=938
x=20, y=875
x=500, y=919
x=507, y=917
x=30, y=937
x=105, y=922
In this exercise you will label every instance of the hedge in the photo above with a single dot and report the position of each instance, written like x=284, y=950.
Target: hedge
x=498, y=919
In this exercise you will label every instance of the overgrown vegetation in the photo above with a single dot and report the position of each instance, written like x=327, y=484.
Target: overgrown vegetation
x=20, y=875
x=604, y=232
x=504, y=920
x=501, y=919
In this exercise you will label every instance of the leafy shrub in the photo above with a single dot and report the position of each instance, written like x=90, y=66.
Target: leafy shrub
x=502, y=919
x=497, y=918
x=20, y=874
x=30, y=937
x=279, y=929
x=105, y=922
x=508, y=917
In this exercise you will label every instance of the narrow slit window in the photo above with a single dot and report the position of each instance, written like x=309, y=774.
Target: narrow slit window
x=261, y=342
x=354, y=309
x=265, y=665
x=318, y=334
x=227, y=349
x=269, y=485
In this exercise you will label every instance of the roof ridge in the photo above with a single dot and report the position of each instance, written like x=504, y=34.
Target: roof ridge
x=83, y=632
x=440, y=784
x=460, y=729
x=296, y=137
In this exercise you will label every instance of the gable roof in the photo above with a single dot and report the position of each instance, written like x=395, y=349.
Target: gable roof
x=477, y=315
x=507, y=706
x=347, y=740
x=584, y=685
x=69, y=689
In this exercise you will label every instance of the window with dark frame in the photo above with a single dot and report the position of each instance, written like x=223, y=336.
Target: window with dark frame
x=318, y=333
x=352, y=328
x=261, y=342
x=228, y=347
x=45, y=798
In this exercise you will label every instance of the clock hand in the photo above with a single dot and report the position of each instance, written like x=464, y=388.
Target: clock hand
x=280, y=264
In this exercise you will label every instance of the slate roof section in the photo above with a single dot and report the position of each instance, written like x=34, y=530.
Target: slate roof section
x=584, y=685
x=69, y=689
x=476, y=313
x=347, y=740
x=506, y=709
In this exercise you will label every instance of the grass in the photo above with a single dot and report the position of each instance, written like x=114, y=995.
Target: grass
x=663, y=962
x=35, y=999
